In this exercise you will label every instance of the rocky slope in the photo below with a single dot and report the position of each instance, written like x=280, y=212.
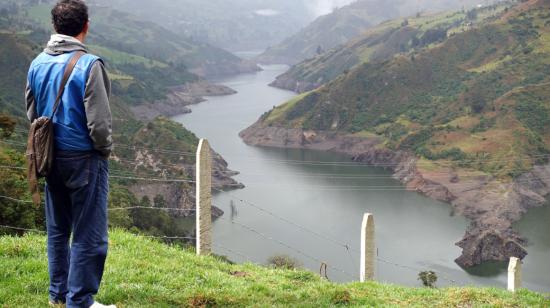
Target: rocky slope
x=164, y=150
x=179, y=98
x=491, y=205
x=182, y=197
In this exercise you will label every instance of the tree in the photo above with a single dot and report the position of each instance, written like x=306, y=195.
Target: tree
x=475, y=97
x=284, y=262
x=319, y=50
x=159, y=201
x=7, y=126
x=472, y=14
x=433, y=35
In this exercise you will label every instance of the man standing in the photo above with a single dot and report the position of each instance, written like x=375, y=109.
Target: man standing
x=77, y=186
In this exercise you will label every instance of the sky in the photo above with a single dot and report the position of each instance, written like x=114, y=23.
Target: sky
x=323, y=7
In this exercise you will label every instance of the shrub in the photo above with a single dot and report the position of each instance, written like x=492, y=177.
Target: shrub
x=284, y=262
x=484, y=125
x=428, y=278
x=341, y=297
x=7, y=126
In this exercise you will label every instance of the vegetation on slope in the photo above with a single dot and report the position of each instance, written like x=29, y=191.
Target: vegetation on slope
x=344, y=24
x=151, y=150
x=383, y=42
x=234, y=25
x=480, y=99
x=126, y=33
x=144, y=273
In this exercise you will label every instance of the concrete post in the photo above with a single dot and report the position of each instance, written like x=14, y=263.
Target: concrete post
x=514, y=274
x=204, y=199
x=368, y=248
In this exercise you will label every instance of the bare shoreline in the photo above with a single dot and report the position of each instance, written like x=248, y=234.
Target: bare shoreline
x=492, y=206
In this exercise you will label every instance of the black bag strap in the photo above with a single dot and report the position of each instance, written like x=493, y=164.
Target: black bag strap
x=66, y=75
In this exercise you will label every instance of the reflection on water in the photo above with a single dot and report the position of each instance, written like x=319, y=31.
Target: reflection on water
x=535, y=226
x=330, y=199
x=488, y=269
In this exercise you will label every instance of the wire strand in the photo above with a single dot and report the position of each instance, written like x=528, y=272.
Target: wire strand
x=302, y=228
x=287, y=246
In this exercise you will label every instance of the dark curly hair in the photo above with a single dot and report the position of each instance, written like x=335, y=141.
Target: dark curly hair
x=69, y=17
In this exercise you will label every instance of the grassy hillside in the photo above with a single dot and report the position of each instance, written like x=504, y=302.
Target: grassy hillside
x=383, y=42
x=144, y=273
x=16, y=53
x=347, y=23
x=480, y=99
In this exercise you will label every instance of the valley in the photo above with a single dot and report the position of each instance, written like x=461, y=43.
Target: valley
x=455, y=122
x=434, y=116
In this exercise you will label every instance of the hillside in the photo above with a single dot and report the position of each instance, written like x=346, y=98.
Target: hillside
x=143, y=149
x=344, y=24
x=382, y=42
x=239, y=25
x=124, y=32
x=144, y=273
x=465, y=122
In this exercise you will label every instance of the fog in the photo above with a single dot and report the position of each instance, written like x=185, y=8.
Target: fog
x=323, y=7
x=240, y=25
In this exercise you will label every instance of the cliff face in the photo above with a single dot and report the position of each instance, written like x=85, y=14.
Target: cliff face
x=181, y=196
x=491, y=205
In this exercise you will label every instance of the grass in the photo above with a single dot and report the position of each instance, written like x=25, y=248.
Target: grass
x=118, y=57
x=145, y=273
x=365, y=134
x=491, y=66
x=280, y=111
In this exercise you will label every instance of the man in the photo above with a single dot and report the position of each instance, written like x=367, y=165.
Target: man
x=77, y=187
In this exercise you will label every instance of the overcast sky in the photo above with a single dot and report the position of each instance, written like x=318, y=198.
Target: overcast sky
x=323, y=7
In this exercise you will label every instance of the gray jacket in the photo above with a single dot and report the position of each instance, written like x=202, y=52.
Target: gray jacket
x=96, y=99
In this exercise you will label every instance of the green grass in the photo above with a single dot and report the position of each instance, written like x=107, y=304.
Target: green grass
x=280, y=111
x=116, y=57
x=145, y=273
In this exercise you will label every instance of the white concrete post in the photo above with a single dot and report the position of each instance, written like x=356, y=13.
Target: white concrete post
x=514, y=274
x=204, y=198
x=368, y=248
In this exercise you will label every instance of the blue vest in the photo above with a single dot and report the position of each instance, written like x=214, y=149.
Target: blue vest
x=70, y=122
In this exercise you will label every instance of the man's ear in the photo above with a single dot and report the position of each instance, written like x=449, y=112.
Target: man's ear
x=86, y=28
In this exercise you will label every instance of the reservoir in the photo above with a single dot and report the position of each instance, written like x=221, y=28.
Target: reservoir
x=309, y=205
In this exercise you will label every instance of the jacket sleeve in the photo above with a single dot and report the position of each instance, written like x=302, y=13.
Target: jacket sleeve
x=31, y=103
x=98, y=111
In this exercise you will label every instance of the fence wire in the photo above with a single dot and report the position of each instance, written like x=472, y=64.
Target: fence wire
x=346, y=246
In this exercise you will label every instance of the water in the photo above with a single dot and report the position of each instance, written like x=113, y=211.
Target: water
x=330, y=199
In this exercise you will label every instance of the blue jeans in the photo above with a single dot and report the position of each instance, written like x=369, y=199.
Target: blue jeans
x=76, y=203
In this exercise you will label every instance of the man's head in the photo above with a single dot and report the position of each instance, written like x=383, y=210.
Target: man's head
x=70, y=17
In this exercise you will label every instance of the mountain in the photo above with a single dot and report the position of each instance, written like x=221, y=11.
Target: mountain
x=466, y=121
x=380, y=43
x=346, y=23
x=238, y=25
x=124, y=32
